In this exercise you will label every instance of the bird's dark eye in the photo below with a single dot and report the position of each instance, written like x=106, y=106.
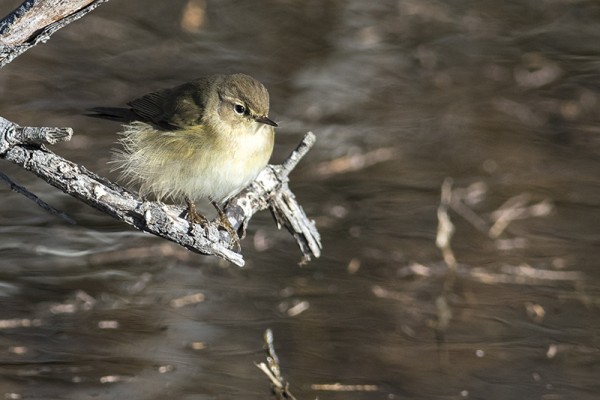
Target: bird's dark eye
x=240, y=109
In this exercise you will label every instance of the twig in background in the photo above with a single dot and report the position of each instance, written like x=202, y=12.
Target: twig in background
x=443, y=239
x=15, y=187
x=445, y=227
x=463, y=198
x=355, y=162
x=280, y=386
x=272, y=369
x=514, y=209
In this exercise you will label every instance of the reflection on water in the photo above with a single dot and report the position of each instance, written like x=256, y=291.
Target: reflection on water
x=490, y=292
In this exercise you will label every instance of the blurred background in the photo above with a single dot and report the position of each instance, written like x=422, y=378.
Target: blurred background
x=493, y=103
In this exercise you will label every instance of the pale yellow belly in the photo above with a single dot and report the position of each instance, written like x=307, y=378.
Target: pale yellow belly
x=178, y=165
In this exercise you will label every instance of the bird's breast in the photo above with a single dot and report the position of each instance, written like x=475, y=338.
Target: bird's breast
x=227, y=164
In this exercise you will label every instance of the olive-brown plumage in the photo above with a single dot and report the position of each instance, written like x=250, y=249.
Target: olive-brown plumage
x=206, y=139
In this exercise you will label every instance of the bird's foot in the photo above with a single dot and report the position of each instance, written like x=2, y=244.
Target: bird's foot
x=225, y=224
x=193, y=216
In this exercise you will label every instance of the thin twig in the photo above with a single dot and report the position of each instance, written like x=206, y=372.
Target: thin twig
x=15, y=187
x=299, y=152
x=272, y=369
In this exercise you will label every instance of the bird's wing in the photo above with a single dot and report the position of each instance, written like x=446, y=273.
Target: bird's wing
x=174, y=108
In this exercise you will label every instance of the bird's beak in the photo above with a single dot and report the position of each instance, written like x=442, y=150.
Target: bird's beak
x=265, y=120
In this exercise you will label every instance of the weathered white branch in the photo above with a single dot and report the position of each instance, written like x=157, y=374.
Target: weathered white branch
x=157, y=218
x=271, y=190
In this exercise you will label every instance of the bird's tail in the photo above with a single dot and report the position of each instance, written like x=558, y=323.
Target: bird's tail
x=123, y=115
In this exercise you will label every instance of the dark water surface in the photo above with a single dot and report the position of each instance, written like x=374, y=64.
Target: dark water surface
x=502, y=98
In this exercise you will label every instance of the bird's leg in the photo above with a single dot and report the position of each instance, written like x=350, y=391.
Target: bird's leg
x=193, y=215
x=225, y=224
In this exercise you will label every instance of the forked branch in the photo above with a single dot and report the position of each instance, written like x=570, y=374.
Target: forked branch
x=24, y=147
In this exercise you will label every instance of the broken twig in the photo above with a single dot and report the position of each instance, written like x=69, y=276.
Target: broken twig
x=272, y=369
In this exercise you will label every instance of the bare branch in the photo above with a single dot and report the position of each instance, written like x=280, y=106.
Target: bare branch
x=157, y=218
x=34, y=21
x=272, y=184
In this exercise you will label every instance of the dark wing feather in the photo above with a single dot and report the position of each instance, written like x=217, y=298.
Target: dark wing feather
x=152, y=108
x=171, y=108
x=124, y=115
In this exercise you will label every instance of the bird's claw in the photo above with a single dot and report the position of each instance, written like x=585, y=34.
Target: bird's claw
x=224, y=223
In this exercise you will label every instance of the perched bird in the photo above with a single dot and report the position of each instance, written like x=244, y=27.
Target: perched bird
x=205, y=139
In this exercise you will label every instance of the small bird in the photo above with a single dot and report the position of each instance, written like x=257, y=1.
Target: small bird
x=205, y=139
